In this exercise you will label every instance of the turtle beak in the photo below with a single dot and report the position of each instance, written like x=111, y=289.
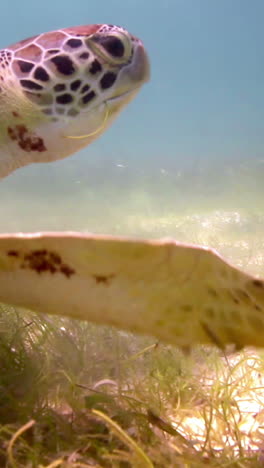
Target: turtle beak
x=133, y=75
x=139, y=71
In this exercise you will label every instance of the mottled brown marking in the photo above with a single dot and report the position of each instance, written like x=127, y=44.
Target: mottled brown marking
x=258, y=283
x=25, y=66
x=243, y=295
x=31, y=85
x=51, y=39
x=103, y=279
x=13, y=253
x=55, y=258
x=38, y=261
x=37, y=253
x=213, y=337
x=66, y=270
x=15, y=114
x=41, y=260
x=246, y=298
x=34, y=97
x=52, y=51
x=31, y=53
x=25, y=139
x=11, y=133
x=234, y=299
x=17, y=70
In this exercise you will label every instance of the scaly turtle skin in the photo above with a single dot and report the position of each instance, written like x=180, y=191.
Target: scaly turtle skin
x=60, y=90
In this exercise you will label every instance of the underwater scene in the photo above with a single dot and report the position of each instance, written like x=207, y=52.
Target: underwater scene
x=183, y=160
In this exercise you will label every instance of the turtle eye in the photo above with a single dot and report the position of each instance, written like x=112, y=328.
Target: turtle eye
x=113, y=45
x=116, y=47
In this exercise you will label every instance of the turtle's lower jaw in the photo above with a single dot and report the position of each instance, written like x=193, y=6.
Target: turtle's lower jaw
x=115, y=104
x=126, y=96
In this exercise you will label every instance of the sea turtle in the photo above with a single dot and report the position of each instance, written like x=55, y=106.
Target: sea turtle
x=60, y=90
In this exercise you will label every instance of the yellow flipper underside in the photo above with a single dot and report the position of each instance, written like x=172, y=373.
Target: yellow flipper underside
x=181, y=294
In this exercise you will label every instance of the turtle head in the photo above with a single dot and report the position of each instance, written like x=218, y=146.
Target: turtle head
x=65, y=87
x=124, y=57
x=78, y=72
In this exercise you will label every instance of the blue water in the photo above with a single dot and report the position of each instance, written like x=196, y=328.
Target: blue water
x=186, y=158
